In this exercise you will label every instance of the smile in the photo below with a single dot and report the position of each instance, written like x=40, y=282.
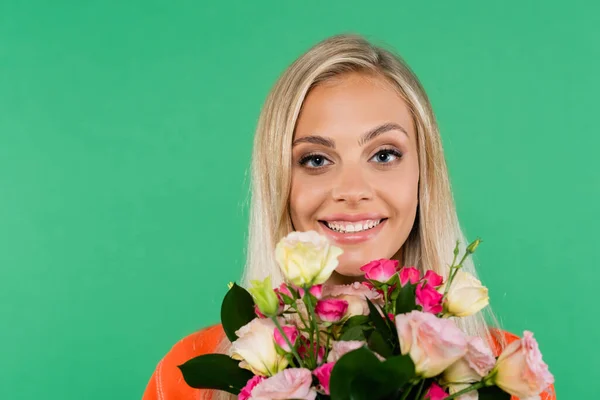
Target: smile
x=352, y=227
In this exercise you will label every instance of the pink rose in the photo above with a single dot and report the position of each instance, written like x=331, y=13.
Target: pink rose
x=432, y=343
x=331, y=310
x=258, y=313
x=291, y=332
x=520, y=370
x=381, y=270
x=323, y=374
x=246, y=391
x=429, y=298
x=433, y=279
x=316, y=291
x=291, y=383
x=476, y=364
x=409, y=274
x=338, y=349
x=436, y=392
x=284, y=289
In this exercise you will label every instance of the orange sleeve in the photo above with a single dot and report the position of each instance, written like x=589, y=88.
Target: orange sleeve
x=166, y=382
x=550, y=394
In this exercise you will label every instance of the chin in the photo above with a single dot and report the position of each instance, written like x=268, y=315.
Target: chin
x=350, y=269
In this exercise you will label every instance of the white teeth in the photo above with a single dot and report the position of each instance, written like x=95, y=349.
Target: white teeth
x=348, y=227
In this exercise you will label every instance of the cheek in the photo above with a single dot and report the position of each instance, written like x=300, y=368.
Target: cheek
x=306, y=196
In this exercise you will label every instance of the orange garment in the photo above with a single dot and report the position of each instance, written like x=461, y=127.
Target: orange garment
x=167, y=382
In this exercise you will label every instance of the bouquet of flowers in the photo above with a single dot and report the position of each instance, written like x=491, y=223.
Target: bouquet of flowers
x=392, y=336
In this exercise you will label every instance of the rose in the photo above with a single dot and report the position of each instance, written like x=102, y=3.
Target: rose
x=323, y=374
x=429, y=298
x=433, y=278
x=466, y=295
x=265, y=298
x=331, y=310
x=246, y=391
x=476, y=364
x=255, y=348
x=520, y=369
x=306, y=258
x=355, y=294
x=291, y=383
x=409, y=274
x=339, y=348
x=316, y=291
x=432, y=343
x=381, y=270
x=291, y=332
x=435, y=392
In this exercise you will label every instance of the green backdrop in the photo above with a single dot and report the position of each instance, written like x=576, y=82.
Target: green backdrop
x=125, y=138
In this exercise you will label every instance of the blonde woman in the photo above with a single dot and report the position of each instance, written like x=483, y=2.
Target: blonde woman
x=347, y=145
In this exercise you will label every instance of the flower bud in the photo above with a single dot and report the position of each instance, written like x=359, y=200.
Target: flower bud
x=265, y=297
x=473, y=246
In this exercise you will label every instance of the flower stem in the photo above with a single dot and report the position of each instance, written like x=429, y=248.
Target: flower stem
x=418, y=396
x=476, y=386
x=386, y=308
x=314, y=325
x=287, y=340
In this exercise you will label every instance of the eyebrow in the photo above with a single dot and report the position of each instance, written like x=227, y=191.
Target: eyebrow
x=368, y=136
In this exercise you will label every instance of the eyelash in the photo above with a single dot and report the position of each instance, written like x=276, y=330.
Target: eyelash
x=304, y=160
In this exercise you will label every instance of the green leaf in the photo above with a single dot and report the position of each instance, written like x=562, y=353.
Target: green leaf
x=215, y=371
x=378, y=322
x=406, y=301
x=237, y=310
x=359, y=375
x=359, y=363
x=400, y=369
x=356, y=320
x=493, y=393
x=354, y=333
x=379, y=345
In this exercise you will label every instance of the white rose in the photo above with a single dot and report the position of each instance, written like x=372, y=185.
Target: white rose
x=306, y=258
x=255, y=347
x=466, y=295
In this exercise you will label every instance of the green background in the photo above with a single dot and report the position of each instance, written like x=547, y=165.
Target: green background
x=125, y=138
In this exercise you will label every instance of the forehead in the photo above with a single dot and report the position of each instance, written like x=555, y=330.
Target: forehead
x=350, y=105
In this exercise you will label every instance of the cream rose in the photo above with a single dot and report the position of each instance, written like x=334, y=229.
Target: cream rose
x=466, y=295
x=476, y=364
x=255, y=347
x=432, y=343
x=520, y=370
x=306, y=258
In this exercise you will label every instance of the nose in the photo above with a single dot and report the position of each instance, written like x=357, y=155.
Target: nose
x=351, y=186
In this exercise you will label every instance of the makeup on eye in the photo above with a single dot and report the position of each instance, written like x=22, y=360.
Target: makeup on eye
x=306, y=159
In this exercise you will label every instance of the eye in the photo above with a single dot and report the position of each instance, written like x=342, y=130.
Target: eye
x=386, y=156
x=314, y=161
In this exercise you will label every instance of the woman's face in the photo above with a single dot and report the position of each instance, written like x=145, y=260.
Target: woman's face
x=355, y=169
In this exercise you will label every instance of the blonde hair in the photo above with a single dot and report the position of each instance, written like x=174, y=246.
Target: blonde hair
x=432, y=240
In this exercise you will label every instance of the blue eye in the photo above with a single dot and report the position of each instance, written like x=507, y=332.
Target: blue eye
x=386, y=156
x=317, y=161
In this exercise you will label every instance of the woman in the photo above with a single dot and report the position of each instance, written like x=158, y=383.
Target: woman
x=347, y=145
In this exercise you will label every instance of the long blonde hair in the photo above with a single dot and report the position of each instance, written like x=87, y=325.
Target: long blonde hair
x=432, y=240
